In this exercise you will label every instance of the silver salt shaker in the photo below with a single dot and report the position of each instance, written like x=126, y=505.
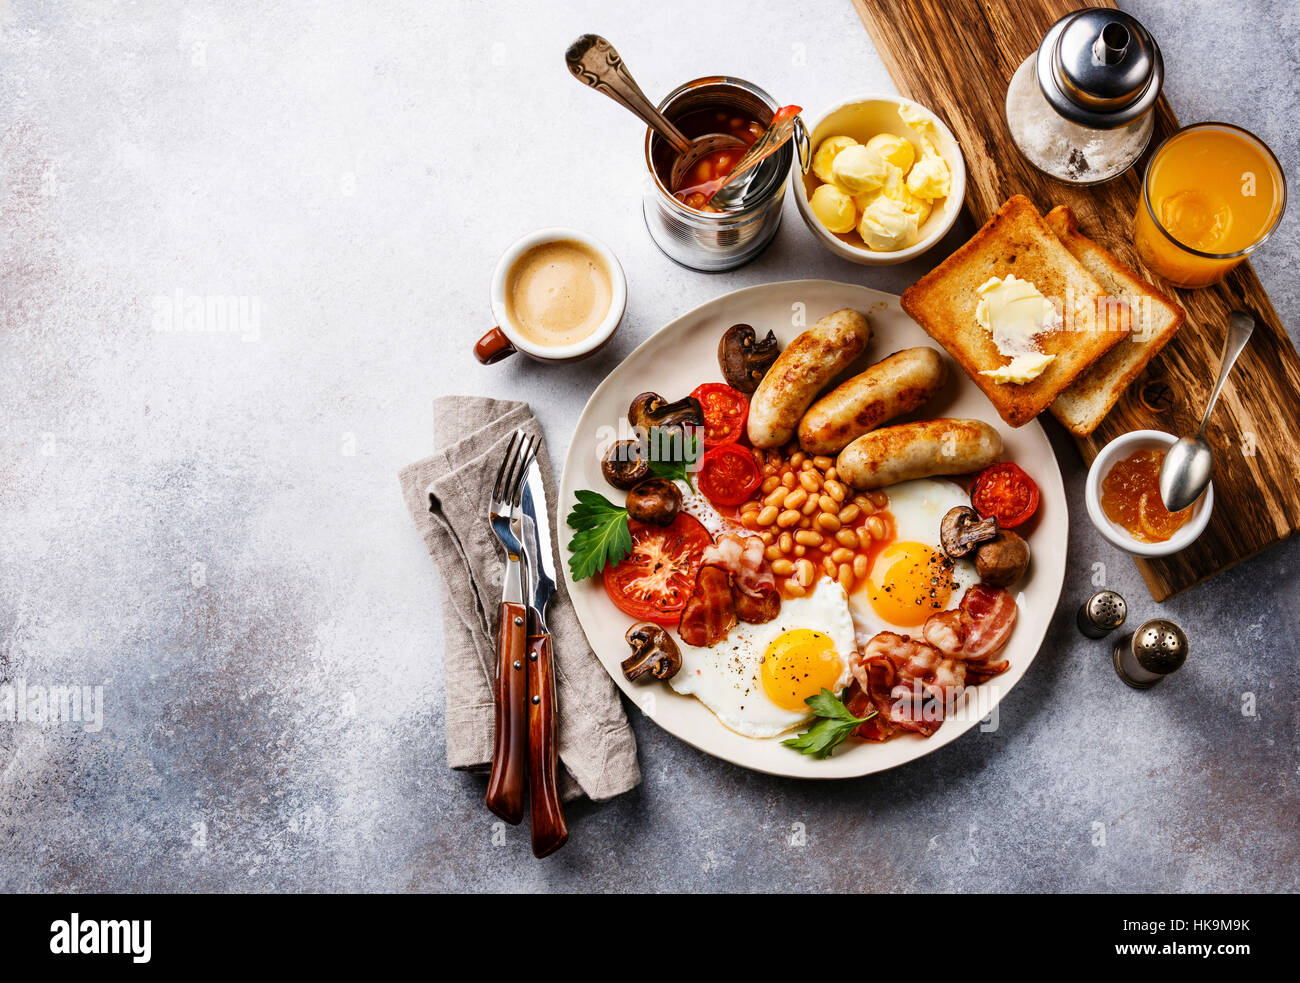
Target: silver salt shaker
x=1144, y=657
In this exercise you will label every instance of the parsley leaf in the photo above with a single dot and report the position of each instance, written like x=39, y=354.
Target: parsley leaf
x=683, y=451
x=603, y=537
x=833, y=725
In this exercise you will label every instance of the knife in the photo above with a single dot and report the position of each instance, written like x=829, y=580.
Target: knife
x=549, y=828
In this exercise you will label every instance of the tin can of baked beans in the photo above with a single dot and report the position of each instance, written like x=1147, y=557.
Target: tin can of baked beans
x=714, y=241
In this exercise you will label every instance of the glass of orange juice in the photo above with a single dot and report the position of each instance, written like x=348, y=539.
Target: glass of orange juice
x=1212, y=194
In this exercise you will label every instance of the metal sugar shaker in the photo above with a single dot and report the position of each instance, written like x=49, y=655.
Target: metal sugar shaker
x=1101, y=614
x=1080, y=108
x=1144, y=657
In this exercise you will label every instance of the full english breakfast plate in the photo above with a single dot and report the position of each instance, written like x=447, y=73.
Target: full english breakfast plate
x=816, y=552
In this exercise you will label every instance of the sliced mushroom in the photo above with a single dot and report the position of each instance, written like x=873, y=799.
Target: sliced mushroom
x=744, y=359
x=653, y=651
x=1003, y=560
x=652, y=410
x=655, y=500
x=962, y=530
x=625, y=465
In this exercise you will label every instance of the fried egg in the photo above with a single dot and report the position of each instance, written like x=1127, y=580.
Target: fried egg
x=911, y=578
x=756, y=679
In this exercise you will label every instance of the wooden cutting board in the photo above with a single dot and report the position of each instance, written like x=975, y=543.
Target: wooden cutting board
x=957, y=57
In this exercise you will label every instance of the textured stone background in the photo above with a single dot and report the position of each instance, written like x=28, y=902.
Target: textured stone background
x=209, y=525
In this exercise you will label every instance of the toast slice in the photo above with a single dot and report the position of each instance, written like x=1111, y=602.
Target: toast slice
x=1016, y=241
x=1155, y=319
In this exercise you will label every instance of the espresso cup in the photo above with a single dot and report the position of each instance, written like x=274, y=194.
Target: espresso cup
x=557, y=296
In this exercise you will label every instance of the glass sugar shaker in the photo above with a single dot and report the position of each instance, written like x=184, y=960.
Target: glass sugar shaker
x=1080, y=107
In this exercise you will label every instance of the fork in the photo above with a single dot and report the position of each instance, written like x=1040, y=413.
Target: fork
x=505, y=792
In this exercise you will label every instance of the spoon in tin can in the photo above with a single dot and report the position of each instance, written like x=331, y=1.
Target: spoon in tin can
x=1189, y=463
x=595, y=63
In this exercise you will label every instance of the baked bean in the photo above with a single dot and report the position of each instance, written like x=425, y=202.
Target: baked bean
x=828, y=565
x=796, y=498
x=810, y=507
x=843, y=555
x=767, y=515
x=823, y=463
x=849, y=513
x=808, y=537
x=878, y=498
x=809, y=481
x=860, y=567
x=805, y=522
x=832, y=474
x=788, y=479
x=770, y=482
x=864, y=503
x=797, y=458
x=876, y=526
x=771, y=553
x=829, y=504
x=777, y=495
x=836, y=490
x=794, y=590
x=800, y=549
x=767, y=537
x=783, y=567
x=829, y=521
x=845, y=577
x=787, y=519
x=808, y=466
x=847, y=537
x=785, y=542
x=805, y=573
x=749, y=520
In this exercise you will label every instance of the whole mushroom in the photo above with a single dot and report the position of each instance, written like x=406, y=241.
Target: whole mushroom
x=656, y=501
x=1002, y=561
x=744, y=359
x=653, y=651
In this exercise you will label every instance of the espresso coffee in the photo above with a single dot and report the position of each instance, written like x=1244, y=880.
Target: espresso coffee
x=558, y=293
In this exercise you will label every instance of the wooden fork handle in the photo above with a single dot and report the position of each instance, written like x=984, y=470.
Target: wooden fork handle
x=505, y=792
x=549, y=828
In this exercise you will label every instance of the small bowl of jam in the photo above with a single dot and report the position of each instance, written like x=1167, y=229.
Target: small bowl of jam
x=1123, y=497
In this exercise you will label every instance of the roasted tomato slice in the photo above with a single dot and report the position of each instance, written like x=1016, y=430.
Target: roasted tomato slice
x=728, y=474
x=1005, y=491
x=725, y=412
x=655, y=580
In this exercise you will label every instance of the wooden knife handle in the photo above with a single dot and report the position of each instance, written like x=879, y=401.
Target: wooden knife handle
x=549, y=829
x=505, y=792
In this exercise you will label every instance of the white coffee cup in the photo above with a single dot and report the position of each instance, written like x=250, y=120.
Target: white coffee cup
x=507, y=337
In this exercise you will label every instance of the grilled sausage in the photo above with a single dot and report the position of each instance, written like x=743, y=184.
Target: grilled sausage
x=918, y=450
x=801, y=371
x=890, y=388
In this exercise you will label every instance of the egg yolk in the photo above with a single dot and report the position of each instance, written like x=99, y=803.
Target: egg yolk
x=797, y=665
x=908, y=583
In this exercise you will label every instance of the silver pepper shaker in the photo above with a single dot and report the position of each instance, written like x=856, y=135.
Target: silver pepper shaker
x=1144, y=657
x=1101, y=614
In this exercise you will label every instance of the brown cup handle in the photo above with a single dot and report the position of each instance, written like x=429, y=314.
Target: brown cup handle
x=493, y=347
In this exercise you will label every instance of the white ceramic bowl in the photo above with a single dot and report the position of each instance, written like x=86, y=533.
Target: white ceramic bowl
x=862, y=118
x=1118, y=449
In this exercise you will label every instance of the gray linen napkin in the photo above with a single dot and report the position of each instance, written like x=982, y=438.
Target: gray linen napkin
x=596, y=746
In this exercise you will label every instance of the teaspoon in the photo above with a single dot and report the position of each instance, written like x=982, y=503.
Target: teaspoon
x=1189, y=462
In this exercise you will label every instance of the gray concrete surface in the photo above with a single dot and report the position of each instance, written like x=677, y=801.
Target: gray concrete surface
x=207, y=524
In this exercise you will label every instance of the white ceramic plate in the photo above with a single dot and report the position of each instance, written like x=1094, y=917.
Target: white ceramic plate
x=682, y=355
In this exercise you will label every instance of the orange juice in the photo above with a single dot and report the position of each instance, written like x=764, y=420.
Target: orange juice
x=1212, y=193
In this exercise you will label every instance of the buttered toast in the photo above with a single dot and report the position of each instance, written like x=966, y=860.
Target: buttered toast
x=1017, y=242
x=1155, y=319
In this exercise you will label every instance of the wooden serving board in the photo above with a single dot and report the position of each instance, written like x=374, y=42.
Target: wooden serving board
x=957, y=57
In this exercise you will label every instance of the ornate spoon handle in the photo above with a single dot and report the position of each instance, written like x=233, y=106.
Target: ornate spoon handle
x=594, y=62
